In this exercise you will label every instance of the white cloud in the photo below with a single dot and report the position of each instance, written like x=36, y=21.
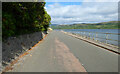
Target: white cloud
x=82, y=0
x=87, y=12
x=101, y=0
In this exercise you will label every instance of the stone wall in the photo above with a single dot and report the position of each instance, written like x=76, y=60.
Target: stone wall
x=14, y=46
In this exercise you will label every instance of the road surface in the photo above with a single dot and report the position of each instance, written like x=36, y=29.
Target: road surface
x=62, y=53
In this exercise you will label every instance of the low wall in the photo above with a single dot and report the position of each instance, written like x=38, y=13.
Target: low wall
x=14, y=46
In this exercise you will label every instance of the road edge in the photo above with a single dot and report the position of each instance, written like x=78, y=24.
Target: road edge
x=9, y=67
x=94, y=43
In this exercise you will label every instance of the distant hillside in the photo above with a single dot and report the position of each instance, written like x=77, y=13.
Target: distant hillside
x=54, y=24
x=102, y=25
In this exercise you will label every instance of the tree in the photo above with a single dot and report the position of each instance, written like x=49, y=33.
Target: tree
x=24, y=17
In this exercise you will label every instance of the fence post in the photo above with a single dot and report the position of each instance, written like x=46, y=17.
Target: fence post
x=106, y=37
x=89, y=35
x=84, y=35
x=93, y=36
x=96, y=36
x=81, y=34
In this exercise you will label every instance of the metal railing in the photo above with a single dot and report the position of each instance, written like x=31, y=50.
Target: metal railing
x=97, y=36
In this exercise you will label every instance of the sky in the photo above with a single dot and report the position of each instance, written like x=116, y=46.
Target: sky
x=84, y=11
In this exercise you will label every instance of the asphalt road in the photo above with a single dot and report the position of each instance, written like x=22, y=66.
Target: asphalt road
x=62, y=53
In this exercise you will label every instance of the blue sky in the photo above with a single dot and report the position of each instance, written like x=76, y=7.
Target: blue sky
x=82, y=12
x=63, y=3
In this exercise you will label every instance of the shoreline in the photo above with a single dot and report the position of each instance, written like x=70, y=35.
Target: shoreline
x=108, y=47
x=85, y=29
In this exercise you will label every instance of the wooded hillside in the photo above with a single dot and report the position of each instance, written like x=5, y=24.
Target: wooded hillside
x=23, y=17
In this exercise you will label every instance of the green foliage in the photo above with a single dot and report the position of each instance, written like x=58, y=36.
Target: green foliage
x=104, y=25
x=24, y=17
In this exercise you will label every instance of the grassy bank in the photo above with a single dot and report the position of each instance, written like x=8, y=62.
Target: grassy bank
x=103, y=25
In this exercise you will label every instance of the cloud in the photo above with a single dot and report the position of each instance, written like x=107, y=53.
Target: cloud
x=100, y=0
x=86, y=12
x=81, y=0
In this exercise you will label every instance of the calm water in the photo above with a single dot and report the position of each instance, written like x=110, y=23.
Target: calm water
x=99, y=34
